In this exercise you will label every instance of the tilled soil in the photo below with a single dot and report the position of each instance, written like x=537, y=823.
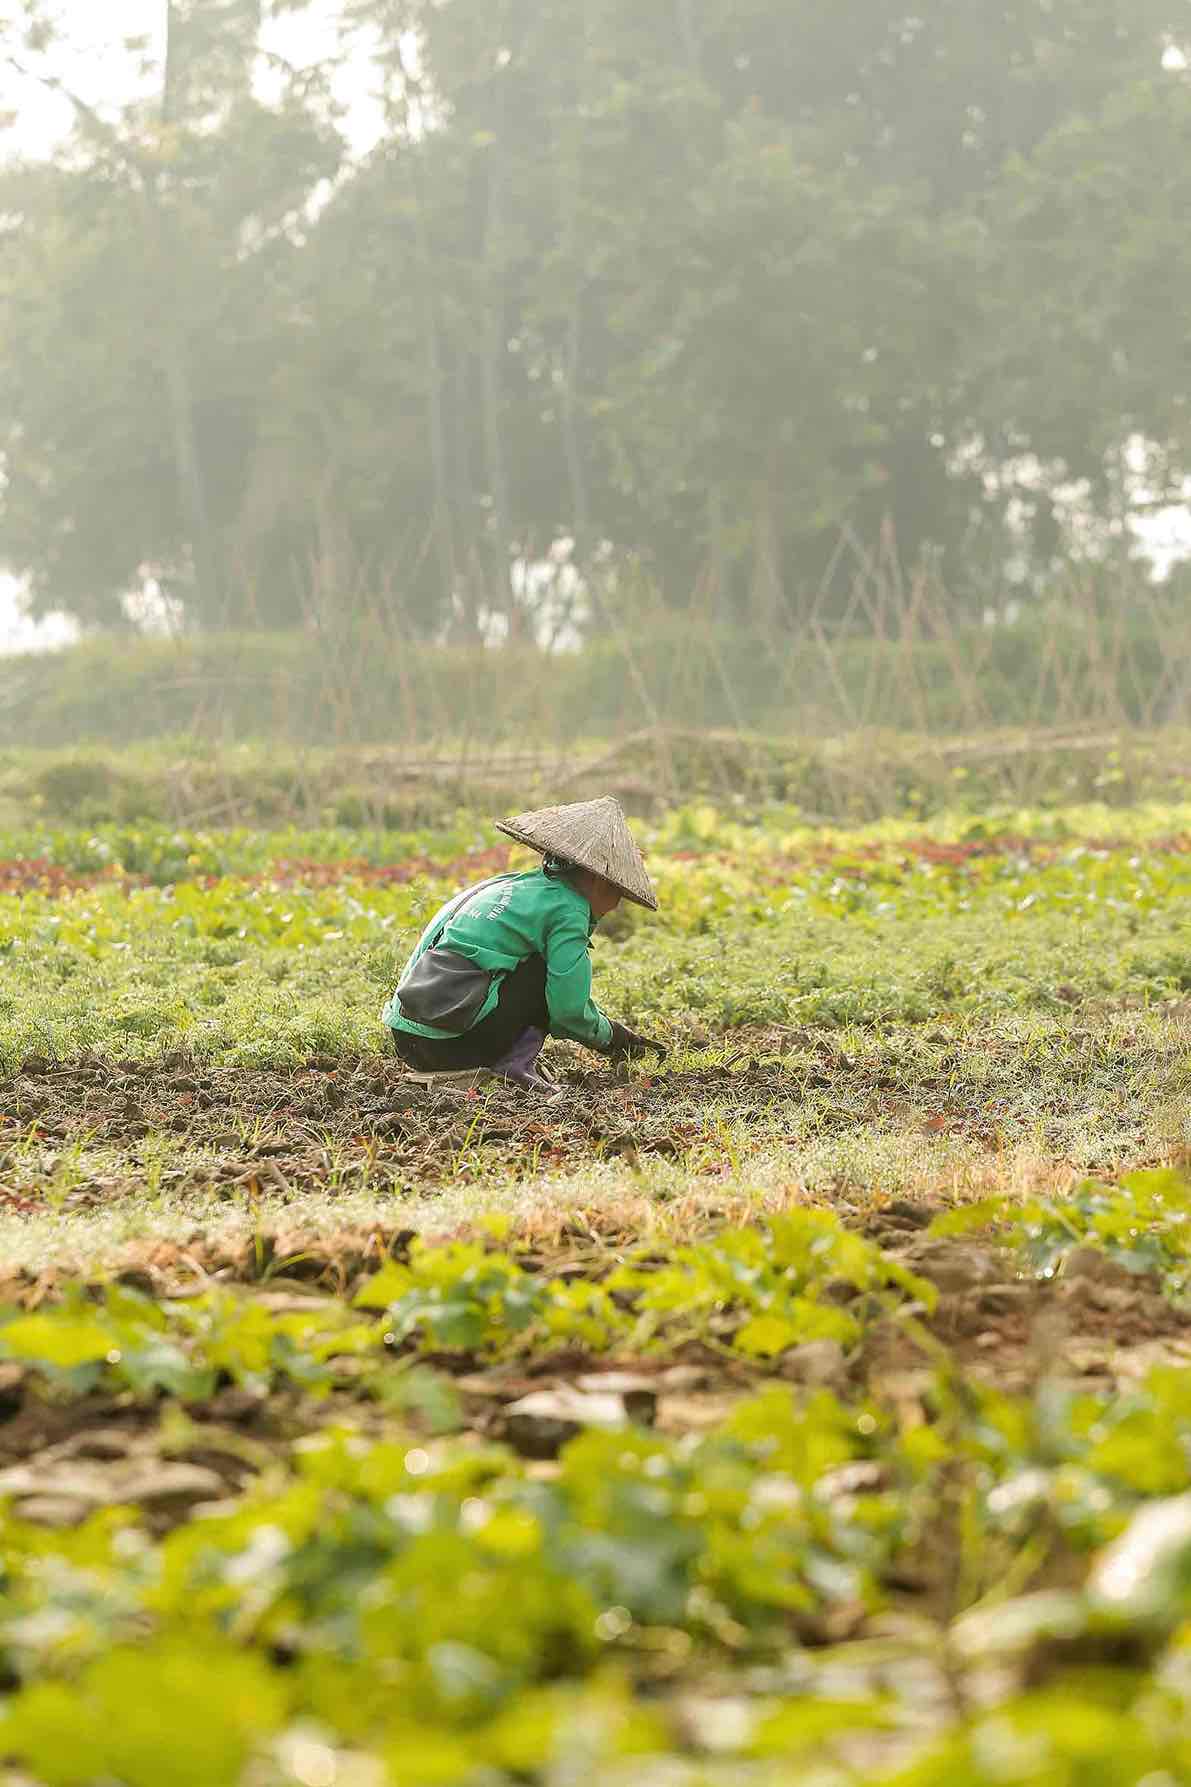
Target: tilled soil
x=89, y=1132
x=336, y=1122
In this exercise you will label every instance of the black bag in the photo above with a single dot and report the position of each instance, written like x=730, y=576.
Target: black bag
x=444, y=990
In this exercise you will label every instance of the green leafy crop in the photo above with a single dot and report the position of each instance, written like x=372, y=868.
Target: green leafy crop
x=759, y=1290
x=123, y=1339
x=1143, y=1224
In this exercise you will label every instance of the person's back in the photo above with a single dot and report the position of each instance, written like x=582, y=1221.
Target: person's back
x=498, y=926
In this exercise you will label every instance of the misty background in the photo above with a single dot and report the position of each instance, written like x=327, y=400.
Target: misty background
x=378, y=370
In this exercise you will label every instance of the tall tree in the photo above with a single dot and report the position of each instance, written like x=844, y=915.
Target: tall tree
x=154, y=248
x=699, y=283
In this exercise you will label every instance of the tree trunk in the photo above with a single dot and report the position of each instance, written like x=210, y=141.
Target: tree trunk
x=432, y=359
x=471, y=567
x=493, y=351
x=719, y=571
x=685, y=20
x=192, y=492
x=576, y=467
x=569, y=157
x=767, y=594
x=571, y=165
x=444, y=533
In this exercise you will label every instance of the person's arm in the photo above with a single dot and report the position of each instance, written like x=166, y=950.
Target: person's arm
x=574, y=1014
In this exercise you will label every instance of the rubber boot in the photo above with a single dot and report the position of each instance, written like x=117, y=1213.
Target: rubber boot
x=521, y=1061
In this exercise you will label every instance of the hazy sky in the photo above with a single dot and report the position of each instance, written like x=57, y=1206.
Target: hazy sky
x=93, y=61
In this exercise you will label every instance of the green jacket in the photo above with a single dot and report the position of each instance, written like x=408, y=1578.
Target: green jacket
x=497, y=926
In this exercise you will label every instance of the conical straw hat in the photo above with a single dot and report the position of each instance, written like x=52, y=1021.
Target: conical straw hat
x=591, y=833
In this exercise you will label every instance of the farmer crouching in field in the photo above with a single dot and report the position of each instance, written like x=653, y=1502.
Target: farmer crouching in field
x=505, y=964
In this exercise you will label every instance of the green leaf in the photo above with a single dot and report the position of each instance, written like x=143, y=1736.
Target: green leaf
x=58, y=1338
x=190, y=1713
x=419, y=1757
x=807, y=1724
x=43, y=1728
x=967, y=1218
x=159, y=1364
x=767, y=1335
x=388, y=1285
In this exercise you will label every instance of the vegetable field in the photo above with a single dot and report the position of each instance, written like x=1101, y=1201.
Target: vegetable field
x=814, y=1408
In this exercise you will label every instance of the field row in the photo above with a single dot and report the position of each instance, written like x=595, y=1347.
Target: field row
x=161, y=854
x=866, y=933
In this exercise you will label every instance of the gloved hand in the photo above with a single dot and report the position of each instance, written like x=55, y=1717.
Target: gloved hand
x=626, y=1043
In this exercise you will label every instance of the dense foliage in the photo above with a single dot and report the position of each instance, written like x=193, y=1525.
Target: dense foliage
x=694, y=284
